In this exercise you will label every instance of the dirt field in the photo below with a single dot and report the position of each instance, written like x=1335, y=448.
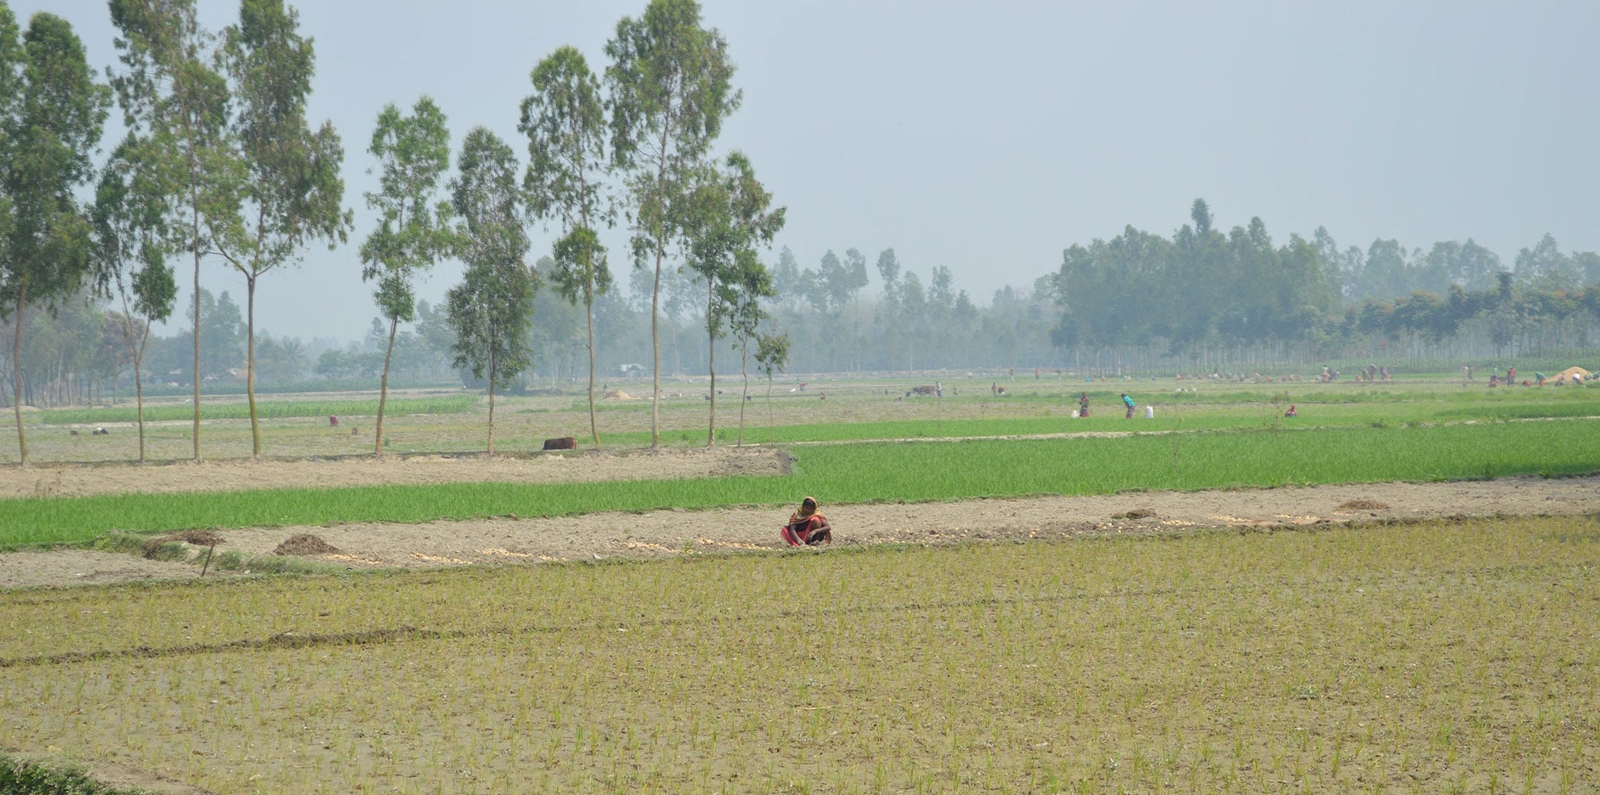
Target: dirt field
x=670, y=533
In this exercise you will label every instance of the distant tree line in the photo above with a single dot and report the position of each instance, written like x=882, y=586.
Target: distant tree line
x=1203, y=299
x=841, y=319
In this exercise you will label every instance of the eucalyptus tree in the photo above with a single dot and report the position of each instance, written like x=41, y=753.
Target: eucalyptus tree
x=12, y=62
x=292, y=193
x=671, y=88
x=50, y=122
x=413, y=231
x=728, y=218
x=844, y=279
x=772, y=355
x=1545, y=267
x=129, y=214
x=557, y=331
x=222, y=327
x=753, y=284
x=174, y=97
x=564, y=120
x=490, y=310
x=886, y=319
x=786, y=277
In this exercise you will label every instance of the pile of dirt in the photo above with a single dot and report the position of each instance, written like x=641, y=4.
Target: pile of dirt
x=305, y=545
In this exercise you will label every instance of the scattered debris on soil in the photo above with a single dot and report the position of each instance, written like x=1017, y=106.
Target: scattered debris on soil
x=1363, y=505
x=305, y=545
x=1136, y=513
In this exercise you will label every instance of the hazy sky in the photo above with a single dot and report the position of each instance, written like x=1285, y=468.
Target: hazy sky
x=987, y=137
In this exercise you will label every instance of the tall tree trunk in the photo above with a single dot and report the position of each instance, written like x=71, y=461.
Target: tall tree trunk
x=588, y=301
x=711, y=363
x=250, y=363
x=138, y=384
x=491, y=403
x=196, y=373
x=655, y=348
x=744, y=393
x=383, y=387
x=711, y=367
x=16, y=383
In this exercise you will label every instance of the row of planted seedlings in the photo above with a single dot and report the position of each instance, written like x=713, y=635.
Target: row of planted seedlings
x=1353, y=657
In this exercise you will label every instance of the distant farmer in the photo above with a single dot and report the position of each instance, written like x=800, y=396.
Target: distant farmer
x=1083, y=404
x=1291, y=412
x=1128, y=401
x=806, y=527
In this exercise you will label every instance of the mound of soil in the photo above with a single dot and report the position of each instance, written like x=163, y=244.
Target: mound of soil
x=305, y=545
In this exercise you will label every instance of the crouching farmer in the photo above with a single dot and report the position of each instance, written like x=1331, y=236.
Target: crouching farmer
x=806, y=527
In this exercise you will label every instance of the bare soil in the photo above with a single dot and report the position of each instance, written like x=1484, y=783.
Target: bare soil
x=503, y=541
x=78, y=480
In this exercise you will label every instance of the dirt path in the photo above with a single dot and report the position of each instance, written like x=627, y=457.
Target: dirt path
x=673, y=533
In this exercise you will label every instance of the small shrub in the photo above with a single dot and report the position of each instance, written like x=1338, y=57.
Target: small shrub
x=20, y=777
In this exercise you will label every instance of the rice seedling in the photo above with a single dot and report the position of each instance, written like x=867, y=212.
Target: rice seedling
x=1356, y=657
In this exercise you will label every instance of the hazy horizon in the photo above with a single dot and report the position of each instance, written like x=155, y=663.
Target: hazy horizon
x=987, y=141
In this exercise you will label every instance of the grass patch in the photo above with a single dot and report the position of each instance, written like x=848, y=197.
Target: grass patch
x=913, y=472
